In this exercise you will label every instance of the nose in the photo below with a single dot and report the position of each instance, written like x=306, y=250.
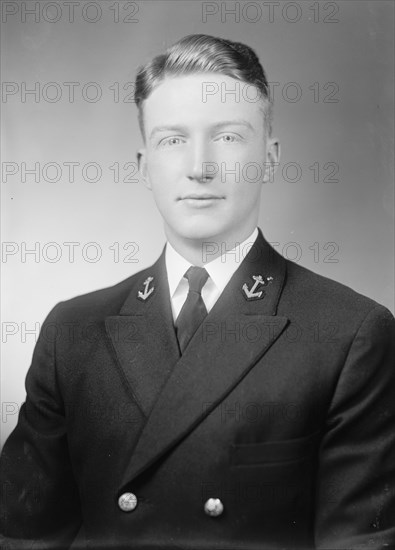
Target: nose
x=200, y=168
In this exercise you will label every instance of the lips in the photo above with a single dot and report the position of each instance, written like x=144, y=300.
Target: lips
x=202, y=197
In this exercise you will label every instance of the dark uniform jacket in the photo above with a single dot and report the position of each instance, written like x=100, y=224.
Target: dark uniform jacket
x=281, y=409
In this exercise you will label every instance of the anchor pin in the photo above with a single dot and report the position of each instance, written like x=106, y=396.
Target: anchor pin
x=143, y=295
x=251, y=293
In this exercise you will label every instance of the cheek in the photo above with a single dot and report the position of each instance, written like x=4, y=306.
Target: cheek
x=164, y=169
x=161, y=194
x=245, y=197
x=248, y=161
x=253, y=172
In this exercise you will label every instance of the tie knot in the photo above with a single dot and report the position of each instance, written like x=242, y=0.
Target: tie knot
x=197, y=277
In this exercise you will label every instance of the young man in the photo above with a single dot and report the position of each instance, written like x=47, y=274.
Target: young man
x=207, y=412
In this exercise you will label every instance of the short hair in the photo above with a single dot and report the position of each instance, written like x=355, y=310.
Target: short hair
x=202, y=53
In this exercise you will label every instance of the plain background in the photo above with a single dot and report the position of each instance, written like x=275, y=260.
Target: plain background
x=354, y=53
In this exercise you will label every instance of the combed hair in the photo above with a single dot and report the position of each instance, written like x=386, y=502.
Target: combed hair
x=202, y=53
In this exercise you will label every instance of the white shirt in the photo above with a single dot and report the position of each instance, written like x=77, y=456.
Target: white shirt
x=220, y=272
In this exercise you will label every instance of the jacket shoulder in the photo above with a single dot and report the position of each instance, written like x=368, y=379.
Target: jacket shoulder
x=99, y=303
x=309, y=290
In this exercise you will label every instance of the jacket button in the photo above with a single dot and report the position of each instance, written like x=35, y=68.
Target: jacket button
x=127, y=502
x=213, y=507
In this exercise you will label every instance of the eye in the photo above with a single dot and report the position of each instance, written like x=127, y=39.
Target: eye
x=229, y=138
x=170, y=141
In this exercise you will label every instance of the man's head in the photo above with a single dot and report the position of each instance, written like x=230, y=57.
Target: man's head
x=201, y=53
x=205, y=115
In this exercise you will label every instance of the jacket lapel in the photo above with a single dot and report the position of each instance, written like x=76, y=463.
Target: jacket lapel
x=237, y=332
x=143, y=337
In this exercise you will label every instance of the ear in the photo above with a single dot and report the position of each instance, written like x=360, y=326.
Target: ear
x=142, y=167
x=272, y=159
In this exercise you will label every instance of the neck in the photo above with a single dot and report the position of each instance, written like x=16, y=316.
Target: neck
x=202, y=251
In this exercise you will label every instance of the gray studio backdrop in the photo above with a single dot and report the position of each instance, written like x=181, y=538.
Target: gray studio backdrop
x=75, y=215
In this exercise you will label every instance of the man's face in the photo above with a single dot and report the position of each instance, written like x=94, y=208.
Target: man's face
x=206, y=156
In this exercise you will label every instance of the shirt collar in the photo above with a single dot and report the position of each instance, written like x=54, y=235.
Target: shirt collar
x=220, y=270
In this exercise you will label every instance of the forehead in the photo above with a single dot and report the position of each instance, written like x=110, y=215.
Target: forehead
x=202, y=99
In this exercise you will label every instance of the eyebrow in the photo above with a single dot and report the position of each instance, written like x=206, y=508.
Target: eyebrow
x=218, y=126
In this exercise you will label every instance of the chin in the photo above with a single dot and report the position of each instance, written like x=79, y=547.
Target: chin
x=200, y=230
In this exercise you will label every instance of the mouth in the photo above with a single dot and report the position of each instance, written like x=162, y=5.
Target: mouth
x=200, y=197
x=199, y=201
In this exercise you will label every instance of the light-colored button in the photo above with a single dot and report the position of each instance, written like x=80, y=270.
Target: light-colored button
x=127, y=502
x=213, y=507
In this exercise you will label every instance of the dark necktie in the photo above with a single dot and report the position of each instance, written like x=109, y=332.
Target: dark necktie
x=193, y=311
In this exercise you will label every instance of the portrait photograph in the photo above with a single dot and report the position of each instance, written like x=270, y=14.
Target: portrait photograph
x=197, y=266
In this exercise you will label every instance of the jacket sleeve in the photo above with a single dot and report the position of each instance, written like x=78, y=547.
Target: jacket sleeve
x=39, y=499
x=356, y=476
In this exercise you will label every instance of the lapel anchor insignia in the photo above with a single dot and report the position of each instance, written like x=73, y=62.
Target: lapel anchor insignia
x=252, y=293
x=143, y=295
